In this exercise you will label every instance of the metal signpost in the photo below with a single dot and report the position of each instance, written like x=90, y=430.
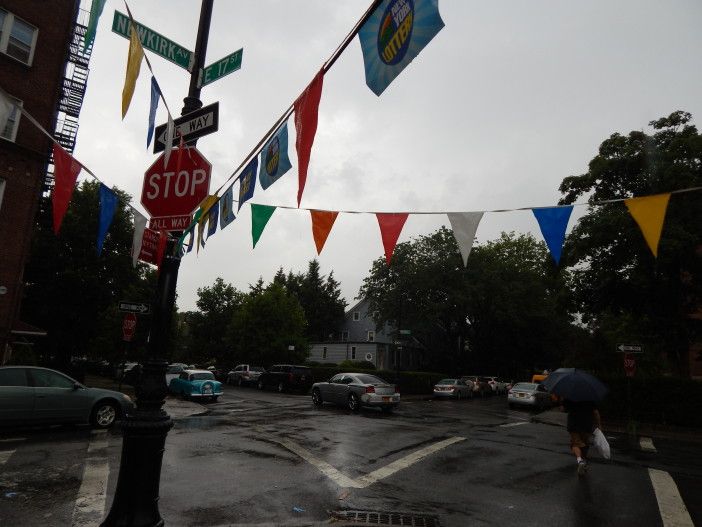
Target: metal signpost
x=221, y=68
x=629, y=350
x=190, y=126
x=154, y=41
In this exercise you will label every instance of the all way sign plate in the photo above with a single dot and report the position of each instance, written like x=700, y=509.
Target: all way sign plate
x=191, y=126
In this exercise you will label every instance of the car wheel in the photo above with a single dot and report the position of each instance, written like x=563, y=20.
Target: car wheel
x=459, y=395
x=317, y=397
x=281, y=387
x=104, y=414
x=214, y=398
x=260, y=385
x=353, y=402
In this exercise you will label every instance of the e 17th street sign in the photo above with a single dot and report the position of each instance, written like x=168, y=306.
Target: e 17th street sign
x=191, y=126
x=221, y=68
x=154, y=41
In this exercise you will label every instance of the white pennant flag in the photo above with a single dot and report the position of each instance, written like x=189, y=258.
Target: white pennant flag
x=464, y=225
x=168, y=140
x=139, y=227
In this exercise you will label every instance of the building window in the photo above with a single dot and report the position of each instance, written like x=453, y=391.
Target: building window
x=9, y=132
x=324, y=352
x=344, y=336
x=17, y=38
x=371, y=336
x=356, y=316
x=353, y=352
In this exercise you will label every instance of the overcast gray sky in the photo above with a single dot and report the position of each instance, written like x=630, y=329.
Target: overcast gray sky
x=507, y=100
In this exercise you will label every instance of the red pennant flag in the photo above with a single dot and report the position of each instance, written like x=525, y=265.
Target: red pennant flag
x=306, y=107
x=391, y=224
x=162, y=242
x=322, y=222
x=66, y=170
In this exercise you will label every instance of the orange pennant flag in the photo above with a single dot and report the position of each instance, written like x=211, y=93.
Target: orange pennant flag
x=322, y=222
x=649, y=214
x=391, y=224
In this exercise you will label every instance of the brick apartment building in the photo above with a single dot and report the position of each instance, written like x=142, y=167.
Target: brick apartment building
x=44, y=70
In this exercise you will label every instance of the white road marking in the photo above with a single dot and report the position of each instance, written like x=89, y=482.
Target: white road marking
x=646, y=444
x=90, y=502
x=508, y=425
x=13, y=440
x=670, y=504
x=367, y=480
x=5, y=455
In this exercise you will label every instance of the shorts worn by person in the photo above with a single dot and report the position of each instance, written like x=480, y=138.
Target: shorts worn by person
x=583, y=418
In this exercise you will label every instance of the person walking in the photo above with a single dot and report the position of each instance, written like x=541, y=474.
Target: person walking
x=583, y=418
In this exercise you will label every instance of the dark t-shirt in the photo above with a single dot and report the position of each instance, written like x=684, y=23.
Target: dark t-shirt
x=580, y=416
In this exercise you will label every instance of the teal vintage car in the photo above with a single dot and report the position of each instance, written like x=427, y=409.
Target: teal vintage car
x=197, y=384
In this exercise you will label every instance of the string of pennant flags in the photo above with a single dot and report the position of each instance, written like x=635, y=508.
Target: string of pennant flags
x=392, y=33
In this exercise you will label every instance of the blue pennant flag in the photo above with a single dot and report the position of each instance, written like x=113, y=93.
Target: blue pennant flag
x=226, y=208
x=108, y=206
x=394, y=35
x=155, y=94
x=212, y=217
x=274, y=158
x=553, y=222
x=247, y=182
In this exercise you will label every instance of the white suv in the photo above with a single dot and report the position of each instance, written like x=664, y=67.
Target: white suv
x=244, y=374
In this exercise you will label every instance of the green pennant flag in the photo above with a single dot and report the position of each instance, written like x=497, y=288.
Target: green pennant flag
x=95, y=12
x=260, y=214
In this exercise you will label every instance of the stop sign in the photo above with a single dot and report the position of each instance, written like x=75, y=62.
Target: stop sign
x=629, y=364
x=128, y=326
x=176, y=189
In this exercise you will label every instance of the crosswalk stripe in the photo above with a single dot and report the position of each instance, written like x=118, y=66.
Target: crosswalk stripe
x=90, y=503
x=508, y=425
x=5, y=455
x=646, y=444
x=670, y=504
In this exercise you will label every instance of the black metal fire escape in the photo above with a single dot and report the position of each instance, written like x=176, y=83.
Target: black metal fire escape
x=72, y=93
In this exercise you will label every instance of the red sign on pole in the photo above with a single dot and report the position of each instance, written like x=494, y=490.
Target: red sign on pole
x=629, y=364
x=149, y=247
x=176, y=189
x=128, y=326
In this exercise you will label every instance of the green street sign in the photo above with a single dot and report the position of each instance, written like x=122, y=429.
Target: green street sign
x=405, y=332
x=219, y=69
x=153, y=41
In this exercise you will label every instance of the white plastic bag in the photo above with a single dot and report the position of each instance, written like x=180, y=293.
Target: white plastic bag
x=599, y=441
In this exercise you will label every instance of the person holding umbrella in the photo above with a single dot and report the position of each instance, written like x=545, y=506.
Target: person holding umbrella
x=580, y=392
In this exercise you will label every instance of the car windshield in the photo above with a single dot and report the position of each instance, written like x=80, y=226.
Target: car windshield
x=369, y=379
x=174, y=369
x=256, y=368
x=447, y=381
x=201, y=376
x=526, y=386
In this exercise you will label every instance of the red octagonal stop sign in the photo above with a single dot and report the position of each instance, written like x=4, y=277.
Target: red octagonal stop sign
x=176, y=189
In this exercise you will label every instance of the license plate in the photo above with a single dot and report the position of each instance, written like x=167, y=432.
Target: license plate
x=387, y=399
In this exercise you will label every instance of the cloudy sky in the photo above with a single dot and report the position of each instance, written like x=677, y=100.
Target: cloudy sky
x=507, y=100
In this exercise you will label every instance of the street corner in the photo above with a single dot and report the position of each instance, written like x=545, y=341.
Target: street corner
x=553, y=417
x=178, y=408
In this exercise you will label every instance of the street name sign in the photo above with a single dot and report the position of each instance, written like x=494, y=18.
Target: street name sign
x=629, y=348
x=219, y=69
x=134, y=307
x=154, y=41
x=190, y=126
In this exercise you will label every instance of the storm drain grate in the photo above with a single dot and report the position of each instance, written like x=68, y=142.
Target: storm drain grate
x=387, y=518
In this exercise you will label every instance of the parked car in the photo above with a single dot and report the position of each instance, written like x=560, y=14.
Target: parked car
x=454, y=388
x=529, y=394
x=286, y=377
x=123, y=368
x=33, y=395
x=499, y=387
x=244, y=374
x=480, y=385
x=354, y=390
x=198, y=384
x=174, y=370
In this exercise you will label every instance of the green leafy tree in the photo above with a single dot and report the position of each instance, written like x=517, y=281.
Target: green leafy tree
x=624, y=293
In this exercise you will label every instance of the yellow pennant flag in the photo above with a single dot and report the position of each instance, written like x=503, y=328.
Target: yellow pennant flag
x=649, y=213
x=205, y=206
x=136, y=53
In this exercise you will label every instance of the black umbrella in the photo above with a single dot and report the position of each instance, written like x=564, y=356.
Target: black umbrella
x=575, y=385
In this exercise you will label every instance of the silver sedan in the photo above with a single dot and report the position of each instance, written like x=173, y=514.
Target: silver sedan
x=354, y=390
x=453, y=388
x=528, y=394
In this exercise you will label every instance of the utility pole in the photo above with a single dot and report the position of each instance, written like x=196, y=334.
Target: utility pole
x=144, y=433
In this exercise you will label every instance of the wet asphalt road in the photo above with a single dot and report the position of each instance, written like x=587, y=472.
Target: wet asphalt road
x=258, y=455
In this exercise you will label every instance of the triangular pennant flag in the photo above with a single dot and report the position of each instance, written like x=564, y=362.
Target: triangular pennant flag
x=553, y=222
x=649, y=213
x=134, y=57
x=394, y=35
x=155, y=95
x=168, y=140
x=192, y=239
x=274, y=158
x=162, y=243
x=139, y=227
x=306, y=107
x=226, y=208
x=260, y=214
x=66, y=171
x=95, y=12
x=391, y=224
x=322, y=222
x=108, y=206
x=465, y=225
x=212, y=219
x=205, y=207
x=247, y=182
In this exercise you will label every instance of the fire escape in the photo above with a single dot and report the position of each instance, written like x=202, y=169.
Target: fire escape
x=73, y=88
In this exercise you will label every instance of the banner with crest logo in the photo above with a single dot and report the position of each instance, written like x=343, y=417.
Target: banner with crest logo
x=274, y=158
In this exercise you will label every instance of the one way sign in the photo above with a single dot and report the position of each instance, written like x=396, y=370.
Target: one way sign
x=191, y=126
x=134, y=307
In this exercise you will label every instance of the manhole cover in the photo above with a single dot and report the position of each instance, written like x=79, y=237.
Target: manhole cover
x=386, y=518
